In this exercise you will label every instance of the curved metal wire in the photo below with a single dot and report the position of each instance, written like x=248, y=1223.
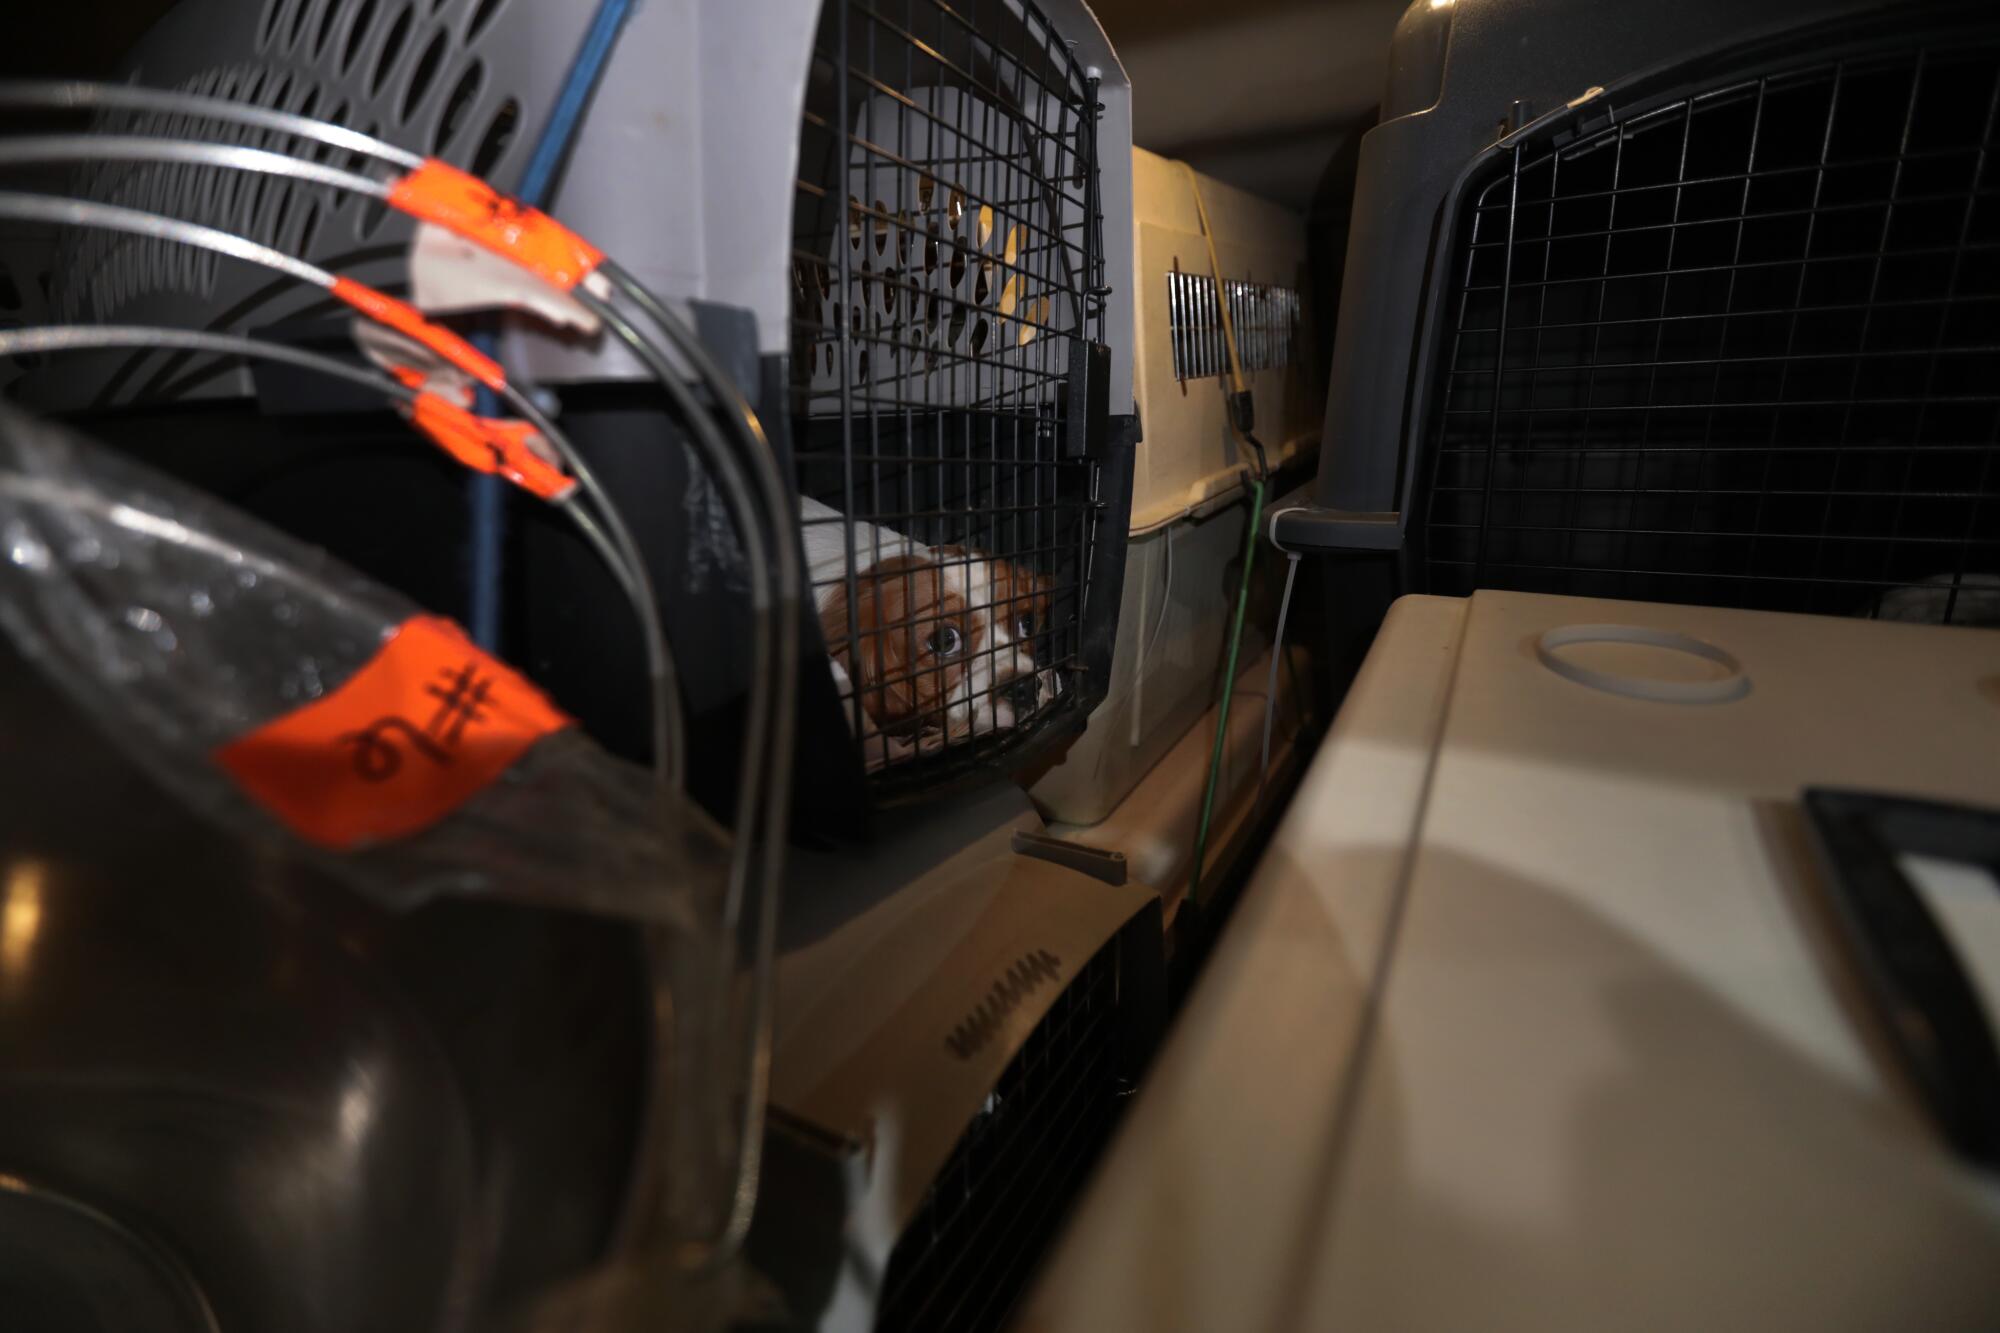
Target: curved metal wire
x=86, y=337
x=29, y=149
x=116, y=217
x=90, y=337
x=782, y=704
x=669, y=741
x=769, y=733
x=59, y=338
x=757, y=796
x=88, y=95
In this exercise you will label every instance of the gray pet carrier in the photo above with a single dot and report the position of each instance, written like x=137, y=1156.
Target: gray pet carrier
x=1696, y=305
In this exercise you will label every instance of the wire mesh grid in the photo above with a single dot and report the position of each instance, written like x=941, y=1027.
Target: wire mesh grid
x=964, y=1258
x=1741, y=349
x=946, y=270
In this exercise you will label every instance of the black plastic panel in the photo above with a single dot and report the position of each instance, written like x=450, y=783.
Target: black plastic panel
x=966, y=1255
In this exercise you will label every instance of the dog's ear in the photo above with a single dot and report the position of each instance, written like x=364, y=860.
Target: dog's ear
x=1019, y=591
x=879, y=647
x=834, y=630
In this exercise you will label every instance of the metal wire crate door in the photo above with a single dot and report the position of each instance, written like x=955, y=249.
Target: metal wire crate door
x=1743, y=348
x=946, y=273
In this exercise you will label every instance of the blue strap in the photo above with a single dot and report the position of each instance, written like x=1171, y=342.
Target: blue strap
x=488, y=494
x=584, y=72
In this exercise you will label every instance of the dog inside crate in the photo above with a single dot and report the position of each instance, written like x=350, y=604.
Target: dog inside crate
x=939, y=290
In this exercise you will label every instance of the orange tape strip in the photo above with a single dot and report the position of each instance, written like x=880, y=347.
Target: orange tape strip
x=408, y=320
x=486, y=445
x=467, y=206
x=424, y=726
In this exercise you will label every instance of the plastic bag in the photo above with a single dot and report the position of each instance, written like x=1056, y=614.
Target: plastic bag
x=195, y=634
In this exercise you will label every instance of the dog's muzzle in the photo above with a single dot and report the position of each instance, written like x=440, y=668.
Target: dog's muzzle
x=1023, y=692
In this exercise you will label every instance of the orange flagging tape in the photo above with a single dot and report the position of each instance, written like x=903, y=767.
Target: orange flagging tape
x=406, y=319
x=484, y=444
x=467, y=206
x=425, y=725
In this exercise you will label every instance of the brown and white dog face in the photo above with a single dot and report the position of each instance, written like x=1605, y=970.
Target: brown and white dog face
x=941, y=645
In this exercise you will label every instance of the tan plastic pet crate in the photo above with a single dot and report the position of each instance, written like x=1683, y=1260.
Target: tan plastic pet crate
x=1188, y=494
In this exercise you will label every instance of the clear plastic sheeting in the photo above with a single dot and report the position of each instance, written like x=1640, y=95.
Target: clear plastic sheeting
x=181, y=626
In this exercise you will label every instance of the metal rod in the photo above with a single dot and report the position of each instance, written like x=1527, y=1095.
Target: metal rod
x=85, y=337
x=90, y=337
x=764, y=795
x=86, y=95
x=112, y=217
x=115, y=217
x=27, y=149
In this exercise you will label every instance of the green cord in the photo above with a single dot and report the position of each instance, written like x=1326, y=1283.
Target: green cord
x=1228, y=688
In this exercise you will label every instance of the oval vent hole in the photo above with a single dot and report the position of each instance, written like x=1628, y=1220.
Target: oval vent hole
x=423, y=75
x=308, y=229
x=281, y=213
x=357, y=33
x=327, y=18
x=482, y=14
x=270, y=23
x=457, y=104
x=499, y=133
x=392, y=47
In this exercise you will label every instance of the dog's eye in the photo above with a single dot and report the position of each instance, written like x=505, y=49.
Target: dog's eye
x=944, y=641
x=1025, y=627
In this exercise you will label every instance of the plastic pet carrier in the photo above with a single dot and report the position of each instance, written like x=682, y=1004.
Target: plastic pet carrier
x=1697, y=306
x=1188, y=487
x=949, y=1064
x=951, y=385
